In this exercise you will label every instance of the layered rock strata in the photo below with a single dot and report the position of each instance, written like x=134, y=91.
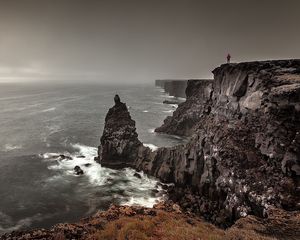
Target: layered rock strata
x=243, y=156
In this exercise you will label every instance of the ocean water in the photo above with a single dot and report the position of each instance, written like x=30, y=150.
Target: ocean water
x=39, y=122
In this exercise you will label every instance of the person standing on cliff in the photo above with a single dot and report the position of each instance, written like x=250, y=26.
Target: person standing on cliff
x=117, y=99
x=228, y=58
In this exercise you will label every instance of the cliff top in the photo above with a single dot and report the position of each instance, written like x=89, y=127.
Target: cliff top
x=289, y=65
x=164, y=221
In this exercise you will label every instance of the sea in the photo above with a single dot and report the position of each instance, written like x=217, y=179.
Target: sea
x=38, y=122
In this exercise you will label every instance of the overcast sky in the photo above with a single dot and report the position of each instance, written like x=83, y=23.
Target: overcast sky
x=140, y=40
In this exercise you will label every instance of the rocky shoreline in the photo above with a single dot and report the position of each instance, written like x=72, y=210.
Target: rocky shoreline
x=243, y=154
x=165, y=221
x=239, y=170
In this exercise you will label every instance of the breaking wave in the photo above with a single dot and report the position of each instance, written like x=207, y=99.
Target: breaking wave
x=151, y=130
x=151, y=146
x=135, y=188
x=169, y=111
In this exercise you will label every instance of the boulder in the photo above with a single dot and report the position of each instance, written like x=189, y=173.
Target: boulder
x=137, y=175
x=63, y=157
x=78, y=170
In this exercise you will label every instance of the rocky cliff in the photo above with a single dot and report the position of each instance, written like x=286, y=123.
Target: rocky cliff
x=187, y=115
x=174, y=87
x=243, y=156
x=119, y=141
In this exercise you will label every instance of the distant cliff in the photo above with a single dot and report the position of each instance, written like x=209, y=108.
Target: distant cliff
x=243, y=156
x=174, y=88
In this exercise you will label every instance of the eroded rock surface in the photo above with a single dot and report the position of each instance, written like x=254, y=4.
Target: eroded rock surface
x=119, y=141
x=187, y=115
x=243, y=156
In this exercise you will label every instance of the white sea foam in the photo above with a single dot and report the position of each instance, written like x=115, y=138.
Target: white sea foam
x=137, y=191
x=168, y=96
x=49, y=109
x=151, y=146
x=50, y=155
x=151, y=130
x=10, y=147
x=96, y=174
x=143, y=185
x=174, y=105
x=169, y=111
x=8, y=225
x=142, y=201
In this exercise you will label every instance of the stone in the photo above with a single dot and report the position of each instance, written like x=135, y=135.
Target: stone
x=137, y=175
x=119, y=141
x=63, y=157
x=78, y=170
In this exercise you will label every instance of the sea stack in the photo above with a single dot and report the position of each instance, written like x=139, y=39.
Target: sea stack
x=119, y=141
x=243, y=155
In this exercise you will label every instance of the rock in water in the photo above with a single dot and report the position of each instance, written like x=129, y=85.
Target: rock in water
x=119, y=141
x=63, y=157
x=243, y=156
x=137, y=175
x=78, y=170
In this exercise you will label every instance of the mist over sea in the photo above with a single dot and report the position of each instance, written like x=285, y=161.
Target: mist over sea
x=39, y=122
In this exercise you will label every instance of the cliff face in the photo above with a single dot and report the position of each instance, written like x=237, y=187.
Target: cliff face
x=174, y=88
x=244, y=154
x=187, y=115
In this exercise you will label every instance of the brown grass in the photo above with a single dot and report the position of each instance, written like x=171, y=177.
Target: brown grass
x=169, y=226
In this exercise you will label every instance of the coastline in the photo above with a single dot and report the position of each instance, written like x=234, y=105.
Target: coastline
x=220, y=174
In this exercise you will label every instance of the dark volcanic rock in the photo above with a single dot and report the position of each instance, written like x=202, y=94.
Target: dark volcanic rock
x=78, y=170
x=119, y=141
x=187, y=115
x=137, y=175
x=63, y=157
x=244, y=155
x=173, y=87
x=172, y=101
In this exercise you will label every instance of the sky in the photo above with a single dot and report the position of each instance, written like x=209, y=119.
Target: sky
x=138, y=41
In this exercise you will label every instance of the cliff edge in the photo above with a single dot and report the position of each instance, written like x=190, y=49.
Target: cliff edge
x=164, y=221
x=243, y=156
